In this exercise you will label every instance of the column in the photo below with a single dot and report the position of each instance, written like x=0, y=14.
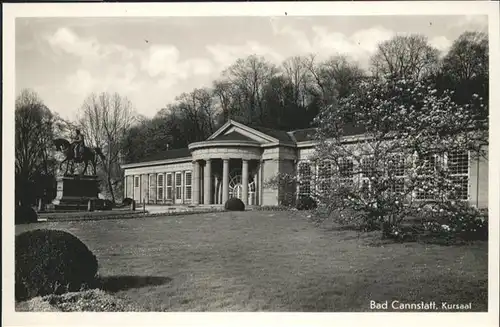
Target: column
x=261, y=181
x=125, y=194
x=244, y=181
x=207, y=186
x=195, y=182
x=149, y=189
x=225, y=180
x=257, y=184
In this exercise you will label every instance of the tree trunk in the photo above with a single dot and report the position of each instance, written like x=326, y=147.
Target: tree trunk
x=110, y=186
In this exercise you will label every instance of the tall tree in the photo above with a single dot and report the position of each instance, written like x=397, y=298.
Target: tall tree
x=224, y=98
x=468, y=57
x=35, y=164
x=249, y=77
x=405, y=56
x=465, y=69
x=197, y=112
x=295, y=70
x=334, y=78
x=104, y=119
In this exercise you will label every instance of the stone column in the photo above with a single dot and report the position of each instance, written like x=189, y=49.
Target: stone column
x=225, y=180
x=125, y=194
x=244, y=181
x=207, y=185
x=257, y=184
x=195, y=183
x=149, y=189
x=261, y=181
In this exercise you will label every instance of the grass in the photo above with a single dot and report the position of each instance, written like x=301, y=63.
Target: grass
x=271, y=261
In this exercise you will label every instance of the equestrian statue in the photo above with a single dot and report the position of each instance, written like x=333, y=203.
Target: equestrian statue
x=77, y=152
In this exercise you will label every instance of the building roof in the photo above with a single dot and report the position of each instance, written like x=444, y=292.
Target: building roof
x=282, y=136
x=168, y=154
x=301, y=135
x=308, y=134
x=292, y=137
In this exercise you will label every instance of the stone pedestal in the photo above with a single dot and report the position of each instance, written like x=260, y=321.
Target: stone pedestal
x=74, y=192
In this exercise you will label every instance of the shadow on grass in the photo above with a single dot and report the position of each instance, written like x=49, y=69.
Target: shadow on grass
x=115, y=284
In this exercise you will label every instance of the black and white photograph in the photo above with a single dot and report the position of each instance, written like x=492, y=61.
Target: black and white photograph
x=253, y=159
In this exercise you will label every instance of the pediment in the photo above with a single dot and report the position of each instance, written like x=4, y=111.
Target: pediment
x=239, y=132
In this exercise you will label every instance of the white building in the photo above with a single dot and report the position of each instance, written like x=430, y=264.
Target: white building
x=236, y=161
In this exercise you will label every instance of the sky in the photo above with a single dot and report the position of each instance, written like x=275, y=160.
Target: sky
x=153, y=60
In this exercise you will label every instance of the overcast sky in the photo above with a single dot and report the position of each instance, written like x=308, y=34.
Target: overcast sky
x=153, y=60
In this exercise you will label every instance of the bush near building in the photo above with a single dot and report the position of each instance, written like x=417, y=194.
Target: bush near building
x=234, y=204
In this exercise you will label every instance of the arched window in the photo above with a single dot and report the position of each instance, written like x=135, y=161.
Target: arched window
x=236, y=186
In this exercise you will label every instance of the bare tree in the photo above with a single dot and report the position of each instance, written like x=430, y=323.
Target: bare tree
x=197, y=113
x=249, y=76
x=224, y=92
x=468, y=57
x=104, y=119
x=33, y=138
x=296, y=70
x=405, y=56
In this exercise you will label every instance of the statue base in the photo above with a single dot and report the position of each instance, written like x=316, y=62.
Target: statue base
x=74, y=192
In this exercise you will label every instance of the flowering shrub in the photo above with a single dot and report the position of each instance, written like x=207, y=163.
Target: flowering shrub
x=456, y=220
x=405, y=129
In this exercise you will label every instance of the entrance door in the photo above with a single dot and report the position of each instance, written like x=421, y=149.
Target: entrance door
x=238, y=191
x=178, y=188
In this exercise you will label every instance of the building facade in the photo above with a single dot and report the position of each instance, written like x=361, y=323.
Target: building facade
x=237, y=161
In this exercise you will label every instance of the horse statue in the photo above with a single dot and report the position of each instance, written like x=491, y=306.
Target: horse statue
x=88, y=155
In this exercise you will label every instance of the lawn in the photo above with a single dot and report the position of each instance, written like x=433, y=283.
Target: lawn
x=271, y=261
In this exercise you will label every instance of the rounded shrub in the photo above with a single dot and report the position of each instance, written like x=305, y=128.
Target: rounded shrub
x=25, y=215
x=127, y=201
x=51, y=262
x=234, y=204
x=306, y=203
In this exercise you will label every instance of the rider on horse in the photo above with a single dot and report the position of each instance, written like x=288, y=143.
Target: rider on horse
x=78, y=143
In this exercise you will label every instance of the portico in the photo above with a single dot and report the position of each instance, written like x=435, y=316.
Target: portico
x=215, y=180
x=221, y=168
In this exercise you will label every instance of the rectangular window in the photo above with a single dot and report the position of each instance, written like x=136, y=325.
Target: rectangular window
x=396, y=166
x=367, y=168
x=159, y=187
x=178, y=186
x=136, y=181
x=324, y=176
x=169, y=186
x=458, y=166
x=304, y=171
x=188, y=188
x=346, y=171
x=396, y=171
x=426, y=166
